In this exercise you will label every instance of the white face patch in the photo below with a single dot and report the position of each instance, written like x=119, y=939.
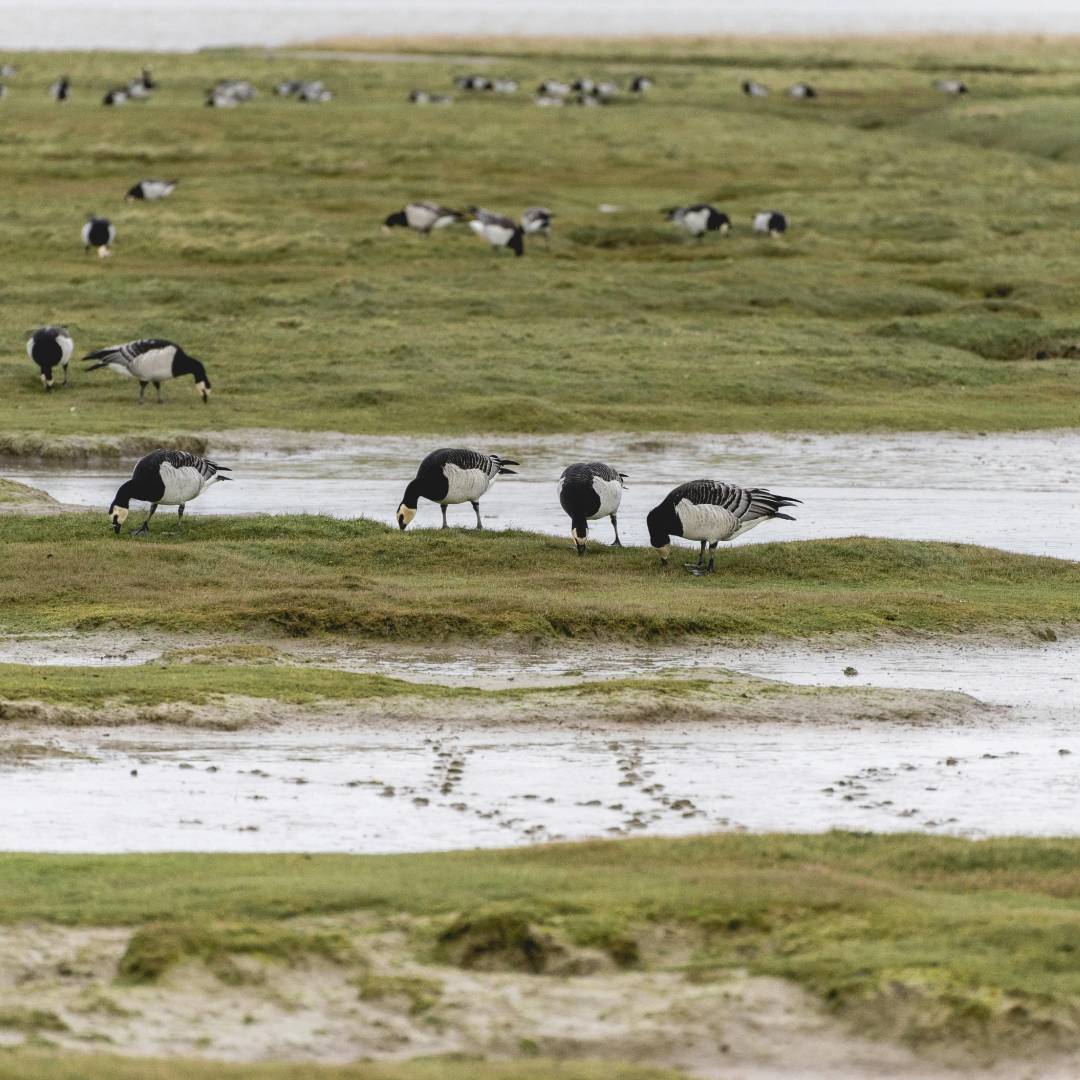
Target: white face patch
x=664, y=552
x=404, y=515
x=204, y=390
x=579, y=541
x=119, y=514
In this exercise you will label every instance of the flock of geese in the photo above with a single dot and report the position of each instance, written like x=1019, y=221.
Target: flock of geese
x=705, y=511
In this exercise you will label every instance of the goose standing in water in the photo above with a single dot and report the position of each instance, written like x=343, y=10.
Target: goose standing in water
x=497, y=230
x=164, y=478
x=587, y=491
x=50, y=347
x=770, y=222
x=423, y=217
x=699, y=219
x=99, y=232
x=151, y=190
x=710, y=511
x=152, y=360
x=452, y=476
x=536, y=220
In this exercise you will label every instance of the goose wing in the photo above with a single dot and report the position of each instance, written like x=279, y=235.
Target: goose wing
x=123, y=356
x=745, y=504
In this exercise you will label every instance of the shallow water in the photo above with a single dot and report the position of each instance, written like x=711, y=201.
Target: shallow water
x=1017, y=492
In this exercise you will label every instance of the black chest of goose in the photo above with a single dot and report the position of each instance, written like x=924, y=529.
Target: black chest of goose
x=164, y=478
x=50, y=347
x=152, y=360
x=451, y=476
x=100, y=233
x=699, y=219
x=770, y=222
x=589, y=490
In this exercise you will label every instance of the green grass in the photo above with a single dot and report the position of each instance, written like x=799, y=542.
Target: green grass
x=316, y=575
x=946, y=937
x=910, y=213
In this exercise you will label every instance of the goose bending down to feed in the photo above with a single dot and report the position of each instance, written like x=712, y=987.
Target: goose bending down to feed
x=99, y=232
x=152, y=360
x=770, y=222
x=754, y=89
x=536, y=220
x=424, y=217
x=951, y=86
x=447, y=477
x=801, y=90
x=164, y=478
x=115, y=96
x=497, y=230
x=639, y=84
x=710, y=511
x=699, y=219
x=50, y=347
x=587, y=491
x=151, y=190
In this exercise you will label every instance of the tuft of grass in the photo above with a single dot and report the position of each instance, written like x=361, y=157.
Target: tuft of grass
x=30, y=1021
x=422, y=994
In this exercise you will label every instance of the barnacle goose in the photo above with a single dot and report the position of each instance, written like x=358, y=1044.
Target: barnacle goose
x=313, y=93
x=801, y=90
x=140, y=88
x=228, y=93
x=699, y=219
x=548, y=101
x=497, y=230
x=553, y=88
x=152, y=360
x=711, y=511
x=771, y=222
x=605, y=91
x=99, y=232
x=61, y=89
x=151, y=190
x=504, y=86
x=164, y=478
x=474, y=82
x=754, y=89
x=452, y=476
x=583, y=86
x=425, y=97
x=50, y=347
x=116, y=96
x=951, y=86
x=639, y=84
x=537, y=219
x=423, y=217
x=587, y=491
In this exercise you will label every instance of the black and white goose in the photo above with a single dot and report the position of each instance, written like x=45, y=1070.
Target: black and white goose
x=99, y=232
x=152, y=360
x=553, y=88
x=639, y=84
x=452, y=476
x=60, y=90
x=139, y=89
x=951, y=86
x=710, y=511
x=536, y=220
x=50, y=347
x=151, y=190
x=587, y=491
x=754, y=89
x=770, y=222
x=699, y=219
x=164, y=478
x=116, y=96
x=497, y=230
x=424, y=217
x=801, y=90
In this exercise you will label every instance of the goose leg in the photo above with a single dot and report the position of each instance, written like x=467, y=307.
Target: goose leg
x=145, y=526
x=615, y=526
x=712, y=556
x=142, y=392
x=696, y=568
x=476, y=507
x=160, y=399
x=444, y=525
x=64, y=383
x=180, y=515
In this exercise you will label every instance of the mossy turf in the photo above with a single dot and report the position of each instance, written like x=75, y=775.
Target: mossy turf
x=317, y=575
x=965, y=938
x=929, y=265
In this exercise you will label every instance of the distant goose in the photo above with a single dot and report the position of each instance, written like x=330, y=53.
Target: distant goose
x=151, y=190
x=287, y=87
x=549, y=101
x=951, y=86
x=504, y=86
x=583, y=86
x=452, y=476
x=587, y=491
x=152, y=360
x=50, y=347
x=497, y=230
x=61, y=89
x=115, y=96
x=710, y=511
x=771, y=222
x=217, y=99
x=164, y=478
x=605, y=90
x=699, y=219
x=423, y=217
x=99, y=232
x=313, y=93
x=228, y=93
x=425, y=97
x=754, y=89
x=141, y=87
x=474, y=82
x=588, y=100
x=537, y=220
x=801, y=90
x=553, y=88
x=639, y=84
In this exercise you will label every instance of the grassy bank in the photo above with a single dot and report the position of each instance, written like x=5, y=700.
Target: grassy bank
x=927, y=282
x=314, y=575
x=929, y=938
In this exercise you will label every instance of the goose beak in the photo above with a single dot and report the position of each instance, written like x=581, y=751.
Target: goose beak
x=386, y=230
x=404, y=516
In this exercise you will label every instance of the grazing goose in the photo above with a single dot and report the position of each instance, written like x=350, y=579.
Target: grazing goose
x=771, y=222
x=140, y=88
x=504, y=86
x=61, y=89
x=951, y=86
x=452, y=476
x=553, y=88
x=801, y=90
x=587, y=491
x=164, y=478
x=425, y=97
x=699, y=219
x=474, y=82
x=639, y=84
x=116, y=96
x=537, y=219
x=50, y=347
x=151, y=190
x=423, y=217
x=754, y=89
x=710, y=511
x=497, y=230
x=228, y=93
x=583, y=86
x=99, y=232
x=605, y=91
x=548, y=101
x=152, y=360
x=313, y=93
